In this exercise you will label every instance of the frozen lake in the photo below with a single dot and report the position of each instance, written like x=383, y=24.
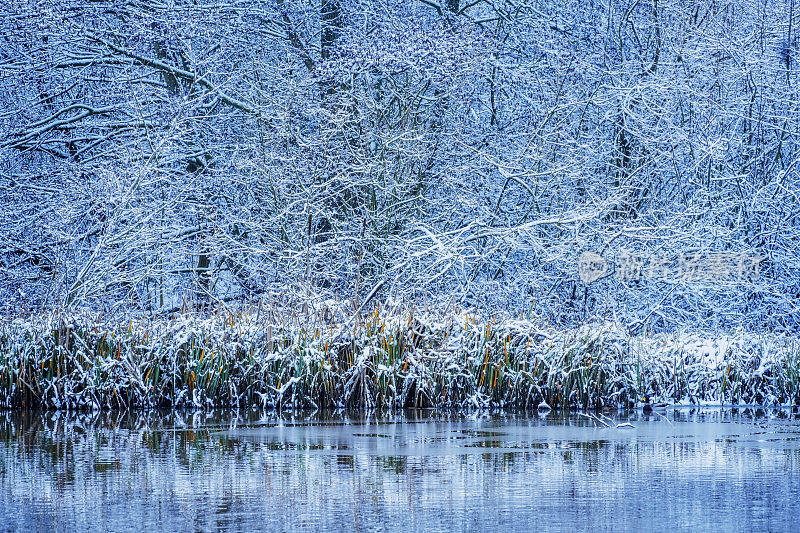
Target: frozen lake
x=701, y=469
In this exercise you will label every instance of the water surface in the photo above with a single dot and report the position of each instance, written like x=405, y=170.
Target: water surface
x=710, y=469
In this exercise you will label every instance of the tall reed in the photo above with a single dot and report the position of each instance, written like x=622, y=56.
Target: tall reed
x=387, y=359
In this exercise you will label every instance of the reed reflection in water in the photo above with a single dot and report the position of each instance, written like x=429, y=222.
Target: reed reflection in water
x=417, y=470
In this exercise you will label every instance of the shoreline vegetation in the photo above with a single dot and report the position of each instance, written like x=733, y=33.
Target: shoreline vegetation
x=393, y=357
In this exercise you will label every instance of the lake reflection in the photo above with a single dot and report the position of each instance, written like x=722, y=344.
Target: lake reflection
x=680, y=470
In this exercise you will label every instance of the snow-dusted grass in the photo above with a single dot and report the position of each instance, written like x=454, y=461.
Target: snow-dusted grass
x=390, y=358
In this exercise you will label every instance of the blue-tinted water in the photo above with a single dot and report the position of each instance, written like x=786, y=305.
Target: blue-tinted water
x=713, y=469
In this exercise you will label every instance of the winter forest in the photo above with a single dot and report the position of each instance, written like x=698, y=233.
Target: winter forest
x=155, y=155
x=379, y=203
x=411, y=265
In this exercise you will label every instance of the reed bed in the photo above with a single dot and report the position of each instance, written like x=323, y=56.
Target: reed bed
x=391, y=358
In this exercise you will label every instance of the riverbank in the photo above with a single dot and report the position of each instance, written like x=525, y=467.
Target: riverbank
x=391, y=358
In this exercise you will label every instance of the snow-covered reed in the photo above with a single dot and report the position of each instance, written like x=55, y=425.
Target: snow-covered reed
x=387, y=359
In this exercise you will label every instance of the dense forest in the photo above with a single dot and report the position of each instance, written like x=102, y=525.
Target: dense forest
x=161, y=154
